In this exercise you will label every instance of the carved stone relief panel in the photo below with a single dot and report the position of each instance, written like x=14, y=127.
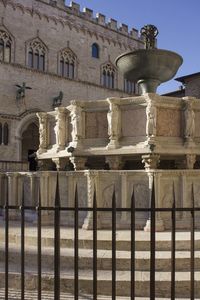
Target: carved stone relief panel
x=169, y=122
x=133, y=122
x=96, y=125
x=197, y=124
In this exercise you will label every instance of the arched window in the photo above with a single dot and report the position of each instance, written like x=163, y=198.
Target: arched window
x=129, y=86
x=5, y=134
x=108, y=76
x=67, y=63
x=36, y=55
x=5, y=46
x=95, y=50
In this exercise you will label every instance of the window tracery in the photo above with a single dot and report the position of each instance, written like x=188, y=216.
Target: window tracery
x=67, y=63
x=5, y=46
x=36, y=55
x=108, y=76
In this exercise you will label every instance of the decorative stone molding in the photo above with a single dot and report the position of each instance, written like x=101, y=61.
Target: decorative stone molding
x=78, y=162
x=151, y=161
x=114, y=161
x=60, y=128
x=43, y=131
x=114, y=123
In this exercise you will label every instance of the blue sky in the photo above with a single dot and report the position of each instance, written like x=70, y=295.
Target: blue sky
x=178, y=22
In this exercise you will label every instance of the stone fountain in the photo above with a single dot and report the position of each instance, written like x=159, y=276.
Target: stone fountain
x=125, y=142
x=151, y=66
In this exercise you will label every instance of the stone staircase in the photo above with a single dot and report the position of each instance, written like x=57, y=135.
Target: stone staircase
x=104, y=263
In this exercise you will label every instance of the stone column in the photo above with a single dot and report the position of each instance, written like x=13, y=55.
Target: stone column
x=3, y=191
x=43, y=131
x=78, y=162
x=114, y=123
x=76, y=114
x=114, y=162
x=60, y=128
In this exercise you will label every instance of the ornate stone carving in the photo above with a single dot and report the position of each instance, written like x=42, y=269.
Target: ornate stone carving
x=60, y=128
x=114, y=161
x=60, y=163
x=190, y=161
x=43, y=131
x=78, y=162
x=151, y=161
x=114, y=124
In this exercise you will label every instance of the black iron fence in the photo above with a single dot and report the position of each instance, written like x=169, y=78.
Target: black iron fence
x=57, y=209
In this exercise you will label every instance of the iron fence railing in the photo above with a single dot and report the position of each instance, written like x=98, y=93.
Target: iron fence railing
x=57, y=209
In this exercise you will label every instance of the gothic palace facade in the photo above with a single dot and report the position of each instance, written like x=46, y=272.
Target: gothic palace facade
x=50, y=54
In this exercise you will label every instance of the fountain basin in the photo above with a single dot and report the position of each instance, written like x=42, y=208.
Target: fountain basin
x=149, y=67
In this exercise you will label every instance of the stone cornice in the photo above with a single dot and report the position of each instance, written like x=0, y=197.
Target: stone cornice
x=71, y=23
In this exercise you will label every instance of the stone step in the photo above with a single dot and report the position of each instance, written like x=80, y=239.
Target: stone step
x=104, y=258
x=142, y=282
x=15, y=294
x=123, y=243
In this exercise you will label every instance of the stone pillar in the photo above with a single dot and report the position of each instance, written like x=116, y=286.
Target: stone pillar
x=114, y=123
x=78, y=162
x=60, y=128
x=76, y=114
x=47, y=190
x=114, y=162
x=189, y=120
x=13, y=194
x=43, y=131
x=60, y=163
x=3, y=191
x=92, y=183
x=150, y=161
x=159, y=224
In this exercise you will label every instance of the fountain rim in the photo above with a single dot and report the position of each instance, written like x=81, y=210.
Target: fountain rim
x=148, y=51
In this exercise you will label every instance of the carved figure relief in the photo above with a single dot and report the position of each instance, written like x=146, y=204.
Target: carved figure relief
x=151, y=120
x=60, y=129
x=42, y=129
x=76, y=122
x=189, y=117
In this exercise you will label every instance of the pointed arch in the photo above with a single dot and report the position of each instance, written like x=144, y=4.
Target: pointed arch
x=36, y=54
x=108, y=75
x=6, y=42
x=67, y=63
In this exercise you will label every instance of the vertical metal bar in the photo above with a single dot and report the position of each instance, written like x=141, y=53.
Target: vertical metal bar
x=57, y=243
x=173, y=245
x=113, y=246
x=22, y=246
x=94, y=246
x=6, y=242
x=153, y=244
x=39, y=246
x=76, y=282
x=133, y=246
x=192, y=248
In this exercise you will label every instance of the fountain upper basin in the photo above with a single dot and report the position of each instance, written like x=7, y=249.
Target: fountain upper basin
x=149, y=65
